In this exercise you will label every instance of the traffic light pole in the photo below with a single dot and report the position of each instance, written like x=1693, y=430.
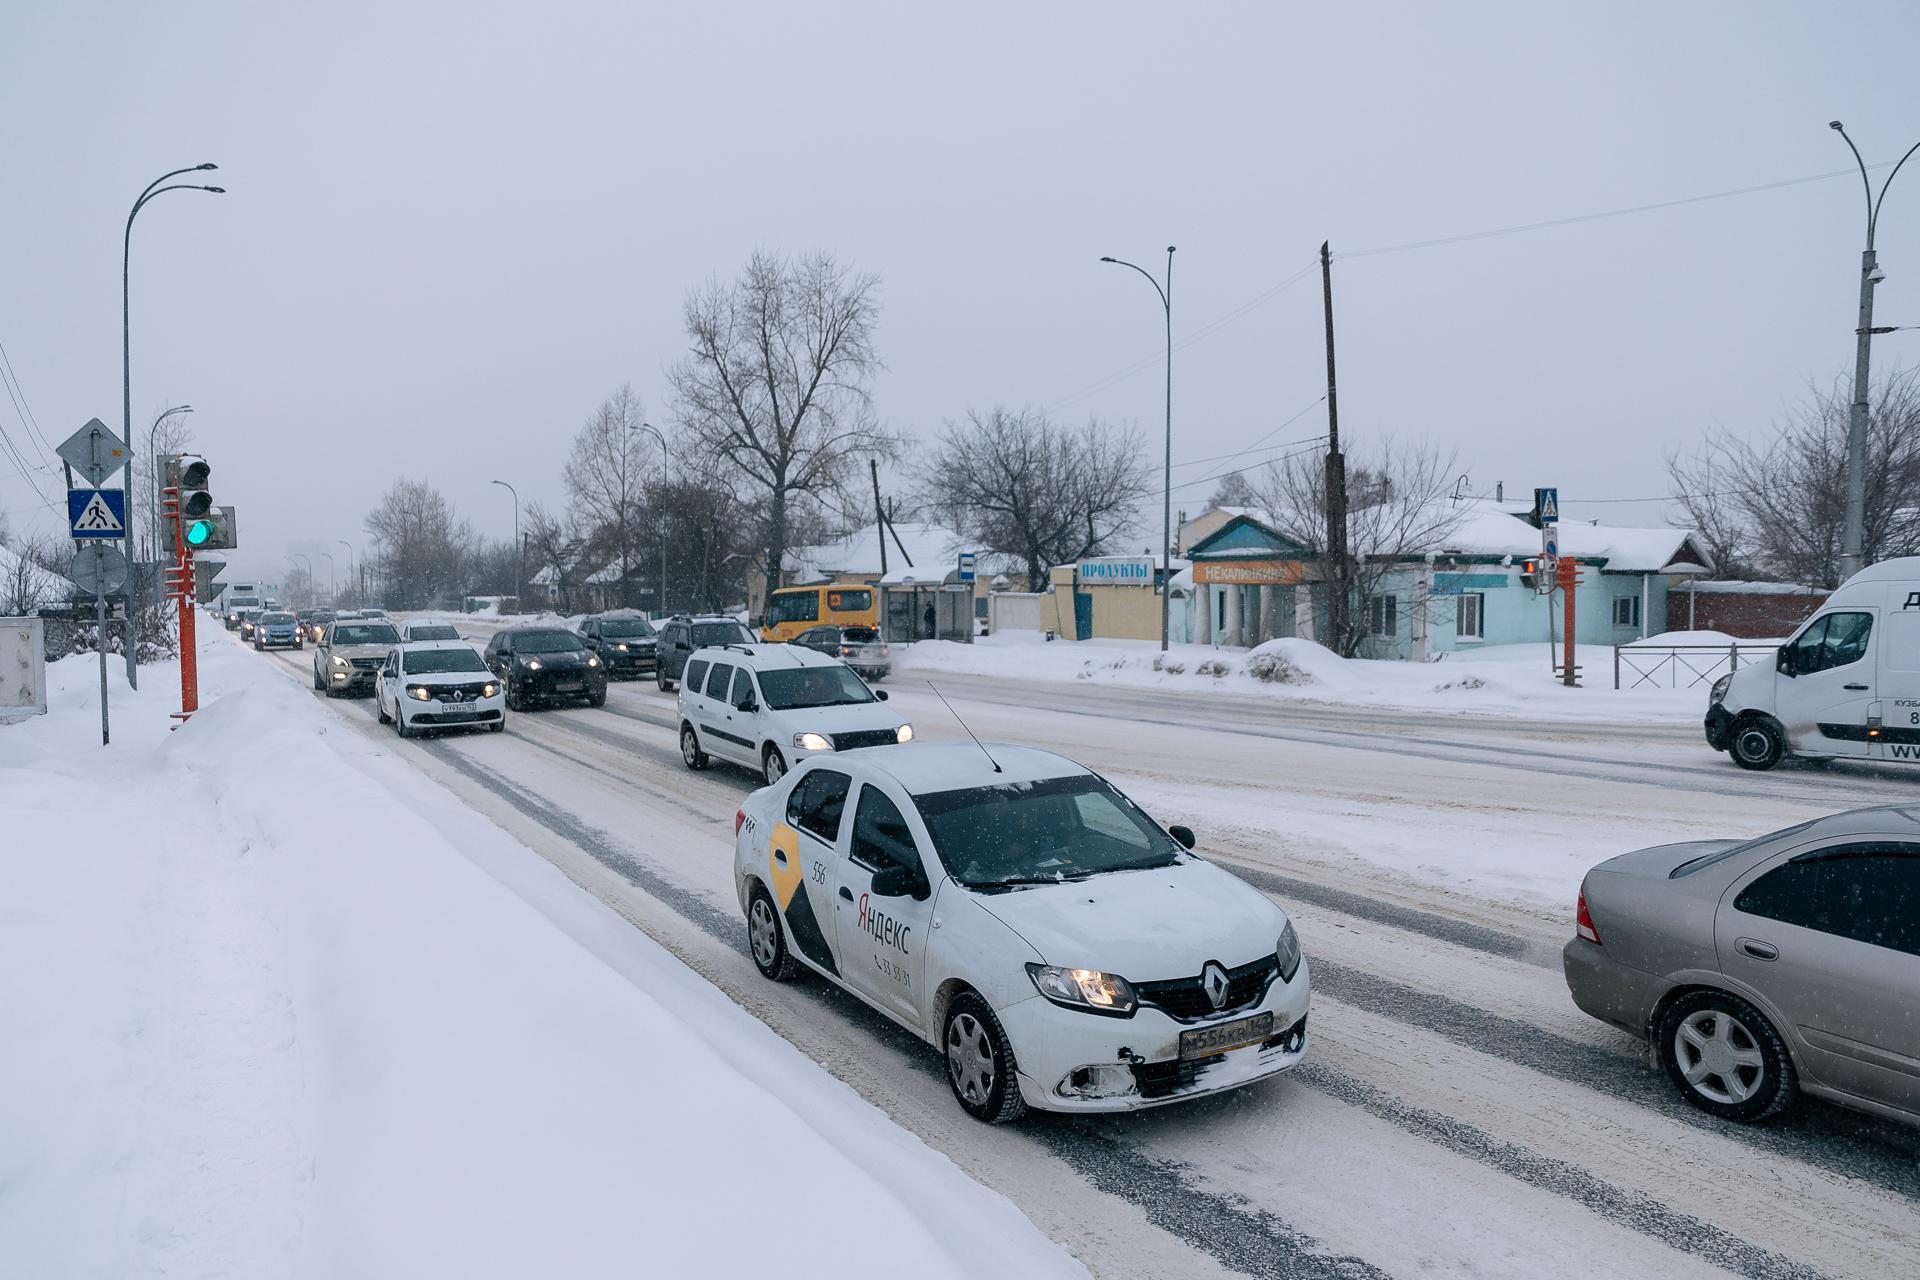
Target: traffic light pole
x=1568, y=573
x=184, y=605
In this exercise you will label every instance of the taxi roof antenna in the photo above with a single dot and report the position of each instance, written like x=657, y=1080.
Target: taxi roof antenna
x=963, y=724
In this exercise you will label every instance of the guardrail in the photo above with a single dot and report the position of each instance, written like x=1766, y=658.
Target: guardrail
x=1683, y=666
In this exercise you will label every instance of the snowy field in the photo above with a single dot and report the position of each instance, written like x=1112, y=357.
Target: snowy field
x=276, y=1005
x=1500, y=680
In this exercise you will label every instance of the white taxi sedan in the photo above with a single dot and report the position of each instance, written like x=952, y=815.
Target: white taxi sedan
x=438, y=684
x=1016, y=911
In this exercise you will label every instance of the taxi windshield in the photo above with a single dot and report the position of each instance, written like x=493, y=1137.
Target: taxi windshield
x=427, y=661
x=1041, y=832
x=431, y=631
x=834, y=686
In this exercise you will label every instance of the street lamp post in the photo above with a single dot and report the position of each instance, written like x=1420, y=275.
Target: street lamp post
x=665, y=462
x=333, y=592
x=1853, y=538
x=352, y=582
x=1166, y=488
x=154, y=188
x=153, y=525
x=296, y=557
x=519, y=549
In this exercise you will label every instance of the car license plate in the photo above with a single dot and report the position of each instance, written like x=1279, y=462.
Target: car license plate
x=569, y=686
x=459, y=713
x=1204, y=1042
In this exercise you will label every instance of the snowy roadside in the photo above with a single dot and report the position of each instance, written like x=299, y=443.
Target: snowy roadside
x=1504, y=681
x=277, y=1005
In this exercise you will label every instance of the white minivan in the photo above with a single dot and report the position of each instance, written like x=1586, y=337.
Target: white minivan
x=770, y=706
x=1846, y=686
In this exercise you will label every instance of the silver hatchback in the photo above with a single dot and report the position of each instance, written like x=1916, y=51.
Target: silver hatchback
x=1786, y=964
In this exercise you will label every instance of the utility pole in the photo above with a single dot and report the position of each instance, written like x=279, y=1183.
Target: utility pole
x=1336, y=480
x=879, y=514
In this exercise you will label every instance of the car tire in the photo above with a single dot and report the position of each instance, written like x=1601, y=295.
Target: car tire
x=498, y=726
x=400, y=725
x=298, y=645
x=258, y=647
x=1704, y=1034
x=767, y=940
x=690, y=753
x=665, y=685
x=773, y=766
x=1756, y=744
x=598, y=698
x=318, y=683
x=980, y=1063
x=514, y=701
x=380, y=712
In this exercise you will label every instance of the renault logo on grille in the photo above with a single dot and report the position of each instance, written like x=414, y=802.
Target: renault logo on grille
x=1213, y=979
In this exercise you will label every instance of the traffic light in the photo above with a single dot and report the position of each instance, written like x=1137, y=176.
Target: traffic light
x=1530, y=575
x=205, y=589
x=196, y=503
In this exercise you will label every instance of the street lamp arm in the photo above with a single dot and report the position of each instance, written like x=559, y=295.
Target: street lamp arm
x=1873, y=220
x=1866, y=183
x=1118, y=262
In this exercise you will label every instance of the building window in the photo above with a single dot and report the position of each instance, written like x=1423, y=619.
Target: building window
x=1626, y=611
x=1470, y=616
x=1383, y=615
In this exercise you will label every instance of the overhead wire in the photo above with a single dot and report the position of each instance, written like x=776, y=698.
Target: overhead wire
x=20, y=403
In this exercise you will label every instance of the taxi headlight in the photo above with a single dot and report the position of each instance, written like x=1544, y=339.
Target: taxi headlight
x=488, y=690
x=419, y=693
x=812, y=742
x=1287, y=952
x=905, y=734
x=1087, y=989
x=1719, y=693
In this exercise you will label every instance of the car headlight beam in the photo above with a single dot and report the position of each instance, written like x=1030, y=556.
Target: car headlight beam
x=1719, y=693
x=419, y=693
x=813, y=742
x=905, y=734
x=1087, y=989
x=1287, y=953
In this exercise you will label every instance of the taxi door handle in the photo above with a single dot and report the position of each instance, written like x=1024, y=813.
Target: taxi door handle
x=1856, y=688
x=846, y=893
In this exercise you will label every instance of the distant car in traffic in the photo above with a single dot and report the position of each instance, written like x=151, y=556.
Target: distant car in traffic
x=768, y=706
x=625, y=642
x=681, y=636
x=415, y=632
x=1010, y=907
x=313, y=622
x=543, y=665
x=276, y=629
x=1787, y=964
x=859, y=647
x=350, y=654
x=438, y=684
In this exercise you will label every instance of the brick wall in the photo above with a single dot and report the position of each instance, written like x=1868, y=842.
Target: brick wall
x=1749, y=615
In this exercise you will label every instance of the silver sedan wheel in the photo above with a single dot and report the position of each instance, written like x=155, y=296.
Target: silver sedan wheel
x=970, y=1059
x=1719, y=1056
x=763, y=931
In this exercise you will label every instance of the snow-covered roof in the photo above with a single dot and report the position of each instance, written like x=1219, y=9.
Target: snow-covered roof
x=933, y=549
x=1496, y=529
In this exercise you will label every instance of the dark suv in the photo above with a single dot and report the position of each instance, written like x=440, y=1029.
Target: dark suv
x=546, y=664
x=680, y=636
x=624, y=642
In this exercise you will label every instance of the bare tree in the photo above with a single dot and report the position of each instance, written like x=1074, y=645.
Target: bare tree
x=1778, y=507
x=1398, y=510
x=1018, y=484
x=27, y=580
x=1234, y=490
x=606, y=477
x=421, y=544
x=172, y=436
x=775, y=383
x=556, y=543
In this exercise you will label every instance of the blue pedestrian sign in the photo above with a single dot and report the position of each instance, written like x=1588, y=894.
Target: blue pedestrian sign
x=97, y=513
x=1546, y=505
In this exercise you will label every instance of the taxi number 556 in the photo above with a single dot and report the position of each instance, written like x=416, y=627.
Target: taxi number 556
x=819, y=872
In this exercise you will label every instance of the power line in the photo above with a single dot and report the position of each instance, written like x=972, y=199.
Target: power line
x=1284, y=444
x=21, y=402
x=1606, y=213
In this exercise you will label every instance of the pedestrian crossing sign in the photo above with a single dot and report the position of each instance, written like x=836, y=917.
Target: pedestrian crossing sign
x=97, y=513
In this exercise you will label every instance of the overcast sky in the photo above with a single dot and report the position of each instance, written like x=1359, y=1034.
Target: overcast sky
x=450, y=229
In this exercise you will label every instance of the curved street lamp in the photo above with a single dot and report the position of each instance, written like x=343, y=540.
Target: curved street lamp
x=333, y=592
x=665, y=462
x=519, y=551
x=1166, y=488
x=296, y=557
x=1853, y=539
x=350, y=578
x=154, y=524
x=154, y=188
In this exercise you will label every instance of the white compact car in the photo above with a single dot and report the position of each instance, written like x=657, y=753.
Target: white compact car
x=1017, y=912
x=770, y=706
x=438, y=684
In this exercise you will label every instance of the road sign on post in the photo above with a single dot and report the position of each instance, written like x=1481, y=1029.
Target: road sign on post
x=98, y=569
x=967, y=562
x=97, y=513
x=1546, y=506
x=94, y=451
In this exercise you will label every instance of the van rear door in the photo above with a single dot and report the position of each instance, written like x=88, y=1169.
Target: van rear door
x=1825, y=685
x=1899, y=691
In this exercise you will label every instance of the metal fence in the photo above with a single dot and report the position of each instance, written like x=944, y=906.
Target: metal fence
x=1684, y=666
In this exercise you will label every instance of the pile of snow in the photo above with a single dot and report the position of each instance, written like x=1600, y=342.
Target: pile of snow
x=1500, y=680
x=326, y=1021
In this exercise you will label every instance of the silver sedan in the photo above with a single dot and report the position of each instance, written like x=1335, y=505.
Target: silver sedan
x=1763, y=969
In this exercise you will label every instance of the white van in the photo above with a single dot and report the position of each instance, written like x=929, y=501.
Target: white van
x=1846, y=686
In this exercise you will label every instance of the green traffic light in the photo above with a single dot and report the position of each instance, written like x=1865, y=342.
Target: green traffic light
x=198, y=532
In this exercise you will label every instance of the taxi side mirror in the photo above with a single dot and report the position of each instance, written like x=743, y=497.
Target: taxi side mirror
x=1182, y=836
x=880, y=694
x=899, y=881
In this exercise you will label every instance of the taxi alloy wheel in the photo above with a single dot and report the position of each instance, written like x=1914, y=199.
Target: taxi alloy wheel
x=773, y=766
x=764, y=939
x=980, y=1066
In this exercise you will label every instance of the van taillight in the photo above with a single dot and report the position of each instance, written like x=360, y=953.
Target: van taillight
x=1583, y=922
x=740, y=816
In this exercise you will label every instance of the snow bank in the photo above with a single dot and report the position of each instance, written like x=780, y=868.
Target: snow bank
x=1497, y=680
x=325, y=1021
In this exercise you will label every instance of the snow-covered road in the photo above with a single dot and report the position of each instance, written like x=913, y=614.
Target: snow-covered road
x=1458, y=1115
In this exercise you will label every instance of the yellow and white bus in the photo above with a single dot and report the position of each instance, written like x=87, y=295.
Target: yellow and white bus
x=791, y=610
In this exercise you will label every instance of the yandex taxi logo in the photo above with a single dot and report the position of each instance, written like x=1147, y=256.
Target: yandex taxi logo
x=883, y=928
